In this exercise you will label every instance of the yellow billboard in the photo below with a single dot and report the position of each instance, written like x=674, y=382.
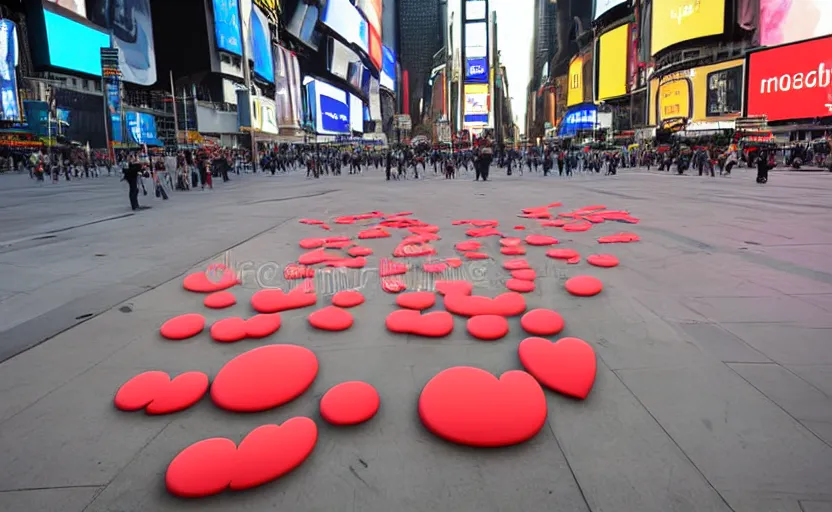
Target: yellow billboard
x=612, y=62
x=476, y=99
x=675, y=21
x=667, y=94
x=575, y=93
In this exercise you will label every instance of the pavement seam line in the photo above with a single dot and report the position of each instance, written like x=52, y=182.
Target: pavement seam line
x=681, y=450
x=50, y=488
x=569, y=465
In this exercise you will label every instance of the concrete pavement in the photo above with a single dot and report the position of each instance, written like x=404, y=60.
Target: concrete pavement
x=713, y=337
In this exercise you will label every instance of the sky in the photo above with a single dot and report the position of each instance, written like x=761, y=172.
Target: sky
x=515, y=19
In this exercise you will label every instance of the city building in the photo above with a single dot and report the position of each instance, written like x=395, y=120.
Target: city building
x=421, y=36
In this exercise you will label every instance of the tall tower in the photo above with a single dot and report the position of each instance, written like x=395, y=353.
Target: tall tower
x=420, y=37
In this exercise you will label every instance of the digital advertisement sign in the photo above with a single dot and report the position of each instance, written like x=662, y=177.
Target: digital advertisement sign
x=142, y=128
x=261, y=46
x=789, y=21
x=388, y=69
x=376, y=56
x=131, y=26
x=356, y=114
x=704, y=93
x=575, y=92
x=330, y=108
x=475, y=9
x=227, y=28
x=791, y=82
x=578, y=119
x=345, y=20
x=268, y=6
x=612, y=62
x=600, y=7
x=287, y=88
x=72, y=45
x=476, y=70
x=476, y=99
x=476, y=39
x=9, y=99
x=676, y=21
x=302, y=25
x=372, y=10
x=112, y=91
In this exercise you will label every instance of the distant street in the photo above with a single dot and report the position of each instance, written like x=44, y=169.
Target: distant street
x=713, y=340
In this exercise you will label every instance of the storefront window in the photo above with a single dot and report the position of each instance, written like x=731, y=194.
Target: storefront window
x=724, y=92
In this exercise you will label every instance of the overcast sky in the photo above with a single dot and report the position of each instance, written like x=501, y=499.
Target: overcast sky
x=515, y=22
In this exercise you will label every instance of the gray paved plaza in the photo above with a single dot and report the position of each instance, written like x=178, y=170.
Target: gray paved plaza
x=713, y=338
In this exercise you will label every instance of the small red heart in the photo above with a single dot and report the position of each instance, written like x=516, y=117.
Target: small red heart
x=372, y=233
x=595, y=219
x=620, y=238
x=359, y=251
x=434, y=268
x=557, y=223
x=483, y=232
x=475, y=256
x=510, y=242
x=485, y=223
x=393, y=285
x=487, y=327
x=275, y=300
x=260, y=326
x=317, y=256
x=540, y=240
x=229, y=330
x=574, y=261
x=542, y=322
x=183, y=326
x=348, y=299
x=513, y=251
x=424, y=229
x=470, y=406
x=350, y=403
x=507, y=304
x=525, y=274
x=264, y=377
x=473, y=245
x=416, y=300
x=312, y=243
x=520, y=285
x=340, y=244
x=312, y=222
x=516, y=264
x=347, y=219
x=270, y=451
x=202, y=469
x=453, y=262
x=448, y=287
x=602, y=260
x=584, y=286
x=294, y=271
x=567, y=366
x=520, y=228
x=413, y=250
x=216, y=278
x=577, y=226
x=389, y=267
x=156, y=393
x=562, y=254
x=359, y=262
x=331, y=318
x=430, y=325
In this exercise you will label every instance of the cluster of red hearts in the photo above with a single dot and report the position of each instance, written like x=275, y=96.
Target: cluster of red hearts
x=454, y=404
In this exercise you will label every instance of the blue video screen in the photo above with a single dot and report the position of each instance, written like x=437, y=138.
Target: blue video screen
x=74, y=46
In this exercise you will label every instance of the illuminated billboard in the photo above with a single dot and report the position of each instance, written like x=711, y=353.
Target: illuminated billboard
x=705, y=93
x=476, y=99
x=612, y=62
x=676, y=21
x=575, y=91
x=476, y=39
x=789, y=21
x=600, y=7
x=791, y=82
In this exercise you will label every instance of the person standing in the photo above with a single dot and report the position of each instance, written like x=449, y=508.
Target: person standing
x=131, y=176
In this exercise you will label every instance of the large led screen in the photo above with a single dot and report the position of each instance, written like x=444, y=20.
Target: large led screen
x=575, y=91
x=578, y=119
x=72, y=45
x=791, y=82
x=602, y=6
x=130, y=24
x=375, y=101
x=676, y=21
x=356, y=114
x=675, y=99
x=372, y=10
x=789, y=21
x=375, y=49
x=340, y=58
x=142, y=128
x=475, y=9
x=476, y=99
x=330, y=108
x=476, y=70
x=476, y=39
x=261, y=45
x=9, y=100
x=227, y=28
x=704, y=93
x=388, y=69
x=79, y=7
x=302, y=25
x=612, y=63
x=344, y=19
x=288, y=96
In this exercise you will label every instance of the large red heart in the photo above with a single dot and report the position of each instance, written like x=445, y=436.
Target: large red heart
x=470, y=406
x=369, y=234
x=416, y=300
x=331, y=318
x=275, y=300
x=513, y=251
x=264, y=377
x=541, y=240
x=483, y=232
x=156, y=393
x=507, y=304
x=431, y=325
x=348, y=299
x=602, y=260
x=270, y=451
x=317, y=256
x=473, y=245
x=359, y=251
x=450, y=287
x=567, y=366
x=312, y=243
x=216, y=278
x=183, y=326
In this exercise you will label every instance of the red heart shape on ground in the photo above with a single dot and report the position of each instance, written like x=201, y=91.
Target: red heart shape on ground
x=350, y=403
x=453, y=262
x=317, y=256
x=270, y=451
x=156, y=393
x=264, y=377
x=567, y=366
x=483, y=232
x=393, y=285
x=275, y=300
x=460, y=222
x=591, y=208
x=416, y=300
x=513, y=251
x=413, y=250
x=372, y=233
x=525, y=274
x=430, y=325
x=418, y=239
x=434, y=268
x=540, y=240
x=520, y=285
x=584, y=286
x=183, y=326
x=449, y=287
x=331, y=318
x=311, y=221
x=470, y=406
x=487, y=327
x=216, y=278
x=219, y=300
x=338, y=245
x=562, y=254
x=536, y=215
x=229, y=330
x=602, y=260
x=620, y=238
x=507, y=304
x=595, y=219
x=202, y=469
x=293, y=272
x=325, y=226
x=516, y=264
x=520, y=228
x=347, y=219
x=348, y=299
x=573, y=261
x=359, y=251
x=535, y=209
x=475, y=256
x=359, y=262
x=485, y=223
x=511, y=242
x=430, y=228
x=260, y=326
x=577, y=226
x=389, y=267
x=557, y=223
x=542, y=322
x=311, y=243
x=473, y=245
